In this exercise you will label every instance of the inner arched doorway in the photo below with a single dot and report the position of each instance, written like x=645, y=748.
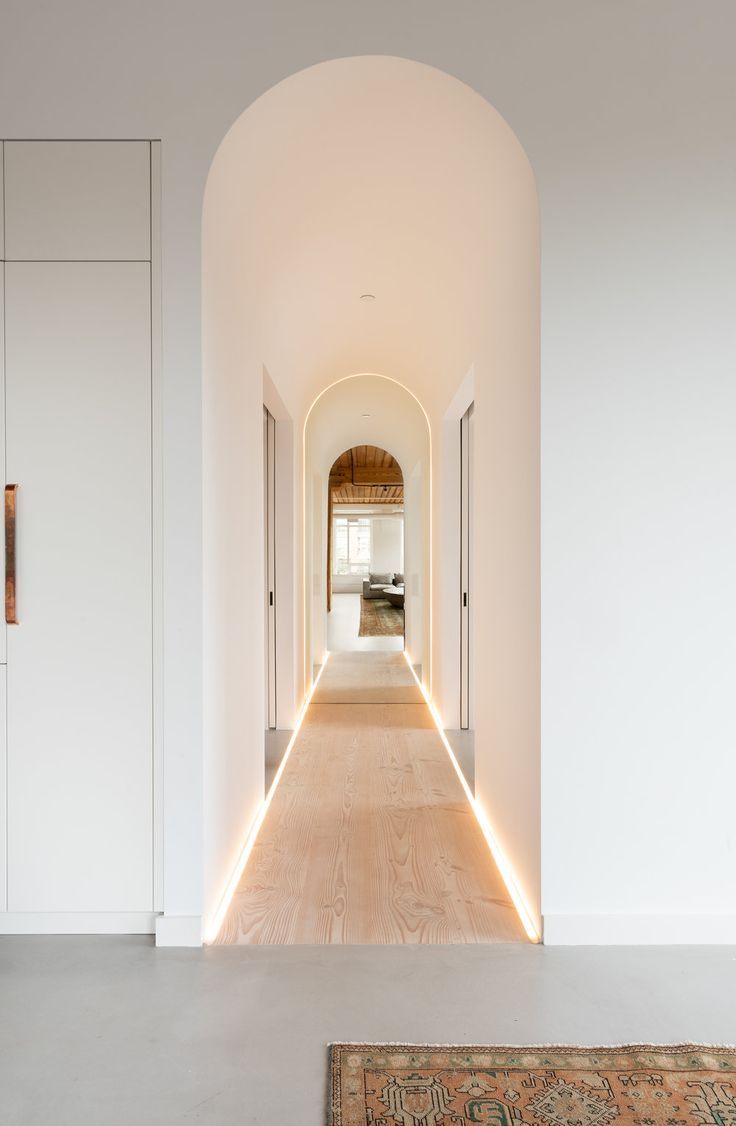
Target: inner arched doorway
x=366, y=589
x=362, y=412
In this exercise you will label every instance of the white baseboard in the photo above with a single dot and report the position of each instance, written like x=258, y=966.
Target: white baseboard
x=639, y=930
x=77, y=922
x=179, y=930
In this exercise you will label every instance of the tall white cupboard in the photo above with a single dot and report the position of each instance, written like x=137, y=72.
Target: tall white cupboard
x=77, y=770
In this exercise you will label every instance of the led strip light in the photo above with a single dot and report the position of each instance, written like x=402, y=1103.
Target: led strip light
x=497, y=853
x=217, y=919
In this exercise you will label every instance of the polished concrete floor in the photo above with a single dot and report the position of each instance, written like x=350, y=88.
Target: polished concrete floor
x=111, y=1032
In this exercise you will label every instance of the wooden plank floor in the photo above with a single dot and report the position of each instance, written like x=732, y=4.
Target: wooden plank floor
x=367, y=678
x=369, y=837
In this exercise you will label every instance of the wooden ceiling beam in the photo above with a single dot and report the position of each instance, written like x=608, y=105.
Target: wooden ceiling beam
x=377, y=475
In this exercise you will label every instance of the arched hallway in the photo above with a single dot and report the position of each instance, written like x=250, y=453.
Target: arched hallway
x=360, y=304
x=369, y=837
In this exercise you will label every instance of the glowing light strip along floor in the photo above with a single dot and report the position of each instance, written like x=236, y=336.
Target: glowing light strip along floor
x=497, y=853
x=216, y=922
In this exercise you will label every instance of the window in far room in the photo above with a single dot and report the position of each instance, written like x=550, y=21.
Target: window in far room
x=352, y=546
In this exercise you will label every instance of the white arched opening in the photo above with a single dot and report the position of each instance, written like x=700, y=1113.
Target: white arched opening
x=375, y=411
x=384, y=177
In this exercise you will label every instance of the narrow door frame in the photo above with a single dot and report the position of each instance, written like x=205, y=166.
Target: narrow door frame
x=466, y=567
x=286, y=643
x=269, y=545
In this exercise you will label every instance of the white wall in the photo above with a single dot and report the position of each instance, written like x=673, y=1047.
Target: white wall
x=232, y=773
x=626, y=113
x=387, y=544
x=418, y=513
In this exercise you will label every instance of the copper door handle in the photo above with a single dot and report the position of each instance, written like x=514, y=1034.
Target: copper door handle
x=10, y=609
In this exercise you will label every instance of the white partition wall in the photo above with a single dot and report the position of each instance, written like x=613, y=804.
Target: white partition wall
x=78, y=437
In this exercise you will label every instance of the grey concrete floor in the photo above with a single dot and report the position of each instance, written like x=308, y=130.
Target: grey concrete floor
x=111, y=1032
x=276, y=743
x=463, y=746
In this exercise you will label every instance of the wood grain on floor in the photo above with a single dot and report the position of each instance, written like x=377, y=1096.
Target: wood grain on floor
x=367, y=678
x=369, y=837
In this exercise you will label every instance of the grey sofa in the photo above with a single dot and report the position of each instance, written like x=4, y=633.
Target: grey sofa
x=375, y=584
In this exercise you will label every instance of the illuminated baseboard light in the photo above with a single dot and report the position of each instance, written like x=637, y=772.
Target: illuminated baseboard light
x=213, y=928
x=497, y=852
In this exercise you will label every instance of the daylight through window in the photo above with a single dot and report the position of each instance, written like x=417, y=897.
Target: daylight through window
x=351, y=545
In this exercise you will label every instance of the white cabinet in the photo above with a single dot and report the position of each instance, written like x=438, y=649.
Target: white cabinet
x=78, y=432
x=78, y=392
x=77, y=200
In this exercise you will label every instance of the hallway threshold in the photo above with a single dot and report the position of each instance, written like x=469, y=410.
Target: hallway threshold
x=369, y=838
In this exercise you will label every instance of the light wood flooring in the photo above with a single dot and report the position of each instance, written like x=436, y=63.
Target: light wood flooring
x=369, y=837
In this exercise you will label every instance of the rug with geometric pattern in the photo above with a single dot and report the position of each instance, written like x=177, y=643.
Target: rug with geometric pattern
x=637, y=1085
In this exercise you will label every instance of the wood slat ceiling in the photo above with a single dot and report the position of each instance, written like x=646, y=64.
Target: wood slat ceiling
x=366, y=475
x=361, y=494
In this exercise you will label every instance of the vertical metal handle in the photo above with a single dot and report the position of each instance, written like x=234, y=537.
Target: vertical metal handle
x=10, y=608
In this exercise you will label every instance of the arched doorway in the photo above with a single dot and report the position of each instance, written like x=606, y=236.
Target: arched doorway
x=373, y=214
x=369, y=411
x=366, y=588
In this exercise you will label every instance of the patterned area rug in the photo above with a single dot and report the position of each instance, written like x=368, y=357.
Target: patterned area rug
x=378, y=618
x=639, y=1085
